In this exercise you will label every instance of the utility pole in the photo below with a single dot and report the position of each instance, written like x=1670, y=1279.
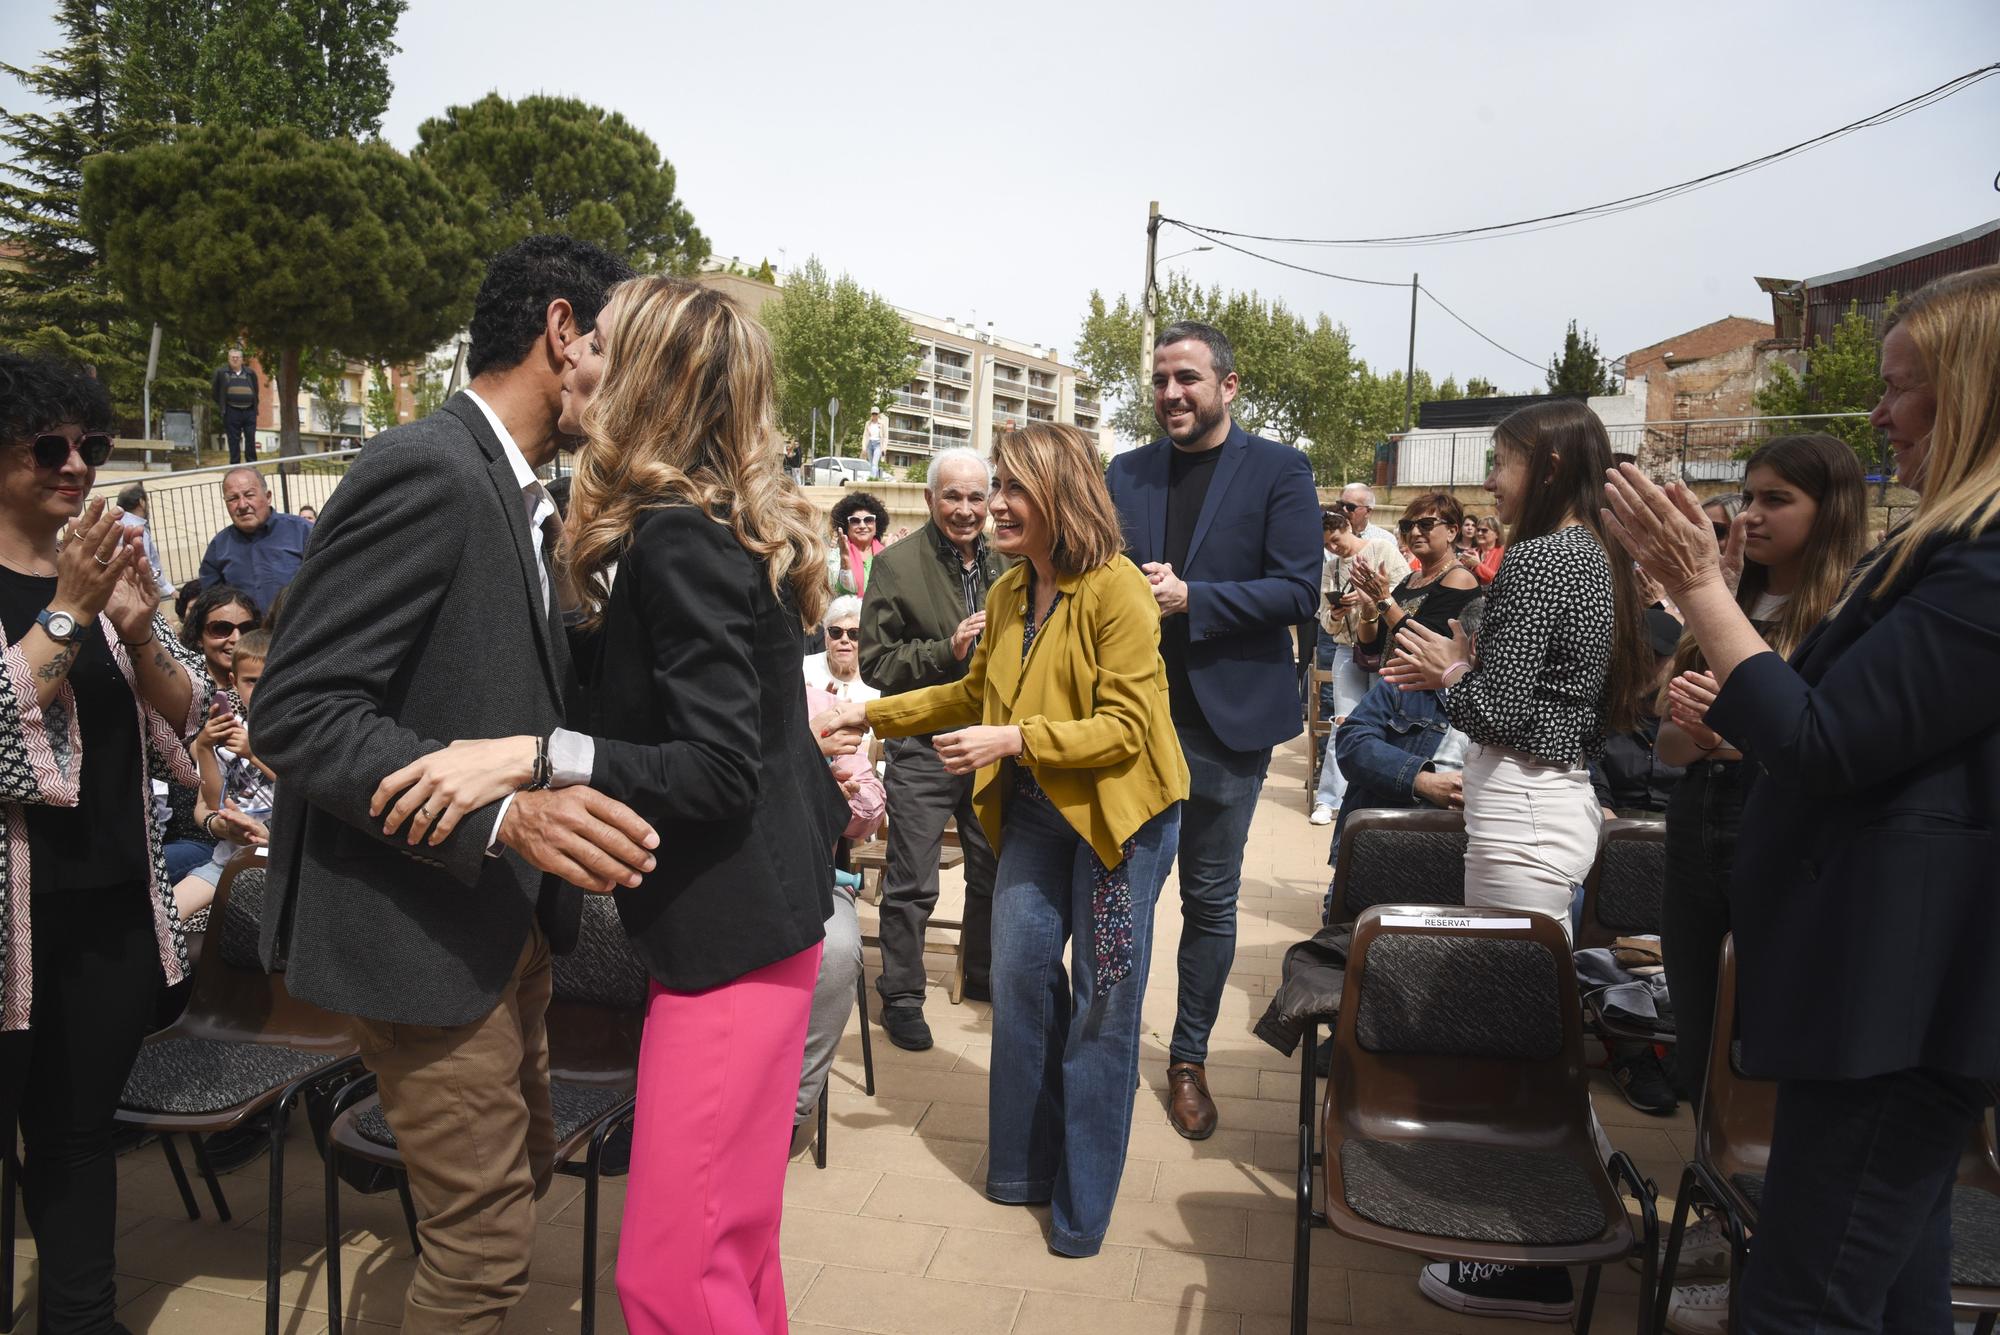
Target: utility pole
x=1410, y=375
x=1149, y=300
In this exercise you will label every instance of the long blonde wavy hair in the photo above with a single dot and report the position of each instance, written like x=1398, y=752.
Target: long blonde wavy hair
x=684, y=415
x=1954, y=323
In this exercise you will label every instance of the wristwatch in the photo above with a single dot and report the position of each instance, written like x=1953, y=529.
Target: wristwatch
x=60, y=626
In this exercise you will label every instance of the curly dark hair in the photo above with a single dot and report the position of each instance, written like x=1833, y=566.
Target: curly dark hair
x=853, y=503
x=512, y=307
x=38, y=394
x=210, y=598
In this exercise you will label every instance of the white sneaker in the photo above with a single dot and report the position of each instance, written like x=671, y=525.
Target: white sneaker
x=1699, y=1309
x=1704, y=1251
x=1322, y=814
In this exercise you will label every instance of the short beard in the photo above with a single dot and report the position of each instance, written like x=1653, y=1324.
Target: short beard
x=1203, y=424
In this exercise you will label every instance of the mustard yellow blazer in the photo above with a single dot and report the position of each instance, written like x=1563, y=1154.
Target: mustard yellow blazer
x=1091, y=704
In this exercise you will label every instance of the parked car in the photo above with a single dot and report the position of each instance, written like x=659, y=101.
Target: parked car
x=830, y=471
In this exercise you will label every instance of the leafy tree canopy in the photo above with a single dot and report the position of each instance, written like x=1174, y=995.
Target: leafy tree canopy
x=300, y=243
x=554, y=164
x=1843, y=375
x=832, y=338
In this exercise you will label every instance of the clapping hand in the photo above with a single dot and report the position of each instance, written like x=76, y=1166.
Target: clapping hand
x=1664, y=531
x=1169, y=589
x=1688, y=698
x=135, y=598
x=238, y=828
x=1423, y=656
x=1368, y=580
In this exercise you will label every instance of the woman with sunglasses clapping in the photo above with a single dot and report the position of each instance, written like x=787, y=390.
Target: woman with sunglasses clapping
x=94, y=701
x=1437, y=589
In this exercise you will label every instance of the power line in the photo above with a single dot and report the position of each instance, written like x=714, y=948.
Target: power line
x=1369, y=282
x=1609, y=208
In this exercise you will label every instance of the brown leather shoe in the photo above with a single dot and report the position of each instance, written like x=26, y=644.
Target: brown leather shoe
x=1189, y=1107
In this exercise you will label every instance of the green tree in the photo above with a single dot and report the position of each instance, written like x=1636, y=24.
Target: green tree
x=319, y=65
x=1579, y=369
x=378, y=399
x=1843, y=375
x=61, y=303
x=427, y=395
x=554, y=164
x=297, y=243
x=833, y=339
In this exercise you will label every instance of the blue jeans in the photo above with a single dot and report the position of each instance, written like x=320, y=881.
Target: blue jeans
x=1337, y=699
x=1854, y=1230
x=184, y=855
x=1215, y=820
x=1065, y=1059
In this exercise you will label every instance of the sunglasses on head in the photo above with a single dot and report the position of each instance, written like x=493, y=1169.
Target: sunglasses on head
x=52, y=448
x=1424, y=525
x=843, y=633
x=223, y=629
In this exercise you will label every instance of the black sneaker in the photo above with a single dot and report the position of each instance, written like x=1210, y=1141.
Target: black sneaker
x=906, y=1028
x=1642, y=1080
x=1533, y=1293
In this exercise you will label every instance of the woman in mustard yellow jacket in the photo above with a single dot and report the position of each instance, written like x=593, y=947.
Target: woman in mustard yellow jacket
x=1063, y=714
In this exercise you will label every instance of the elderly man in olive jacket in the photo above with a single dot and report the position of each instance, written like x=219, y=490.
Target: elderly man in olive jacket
x=923, y=611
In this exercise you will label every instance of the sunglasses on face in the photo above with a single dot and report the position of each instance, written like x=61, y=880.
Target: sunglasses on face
x=843, y=633
x=1352, y=506
x=220, y=630
x=1424, y=525
x=869, y=520
x=52, y=449
x=1721, y=531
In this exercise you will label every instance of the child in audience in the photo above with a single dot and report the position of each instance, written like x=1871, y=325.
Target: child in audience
x=235, y=797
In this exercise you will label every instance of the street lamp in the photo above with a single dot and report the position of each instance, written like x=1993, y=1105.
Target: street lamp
x=1192, y=250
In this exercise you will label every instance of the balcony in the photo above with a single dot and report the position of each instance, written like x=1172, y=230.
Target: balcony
x=952, y=407
x=947, y=371
x=1088, y=407
x=921, y=402
x=1041, y=394
x=909, y=439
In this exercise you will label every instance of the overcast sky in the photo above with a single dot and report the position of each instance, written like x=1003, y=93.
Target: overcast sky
x=996, y=161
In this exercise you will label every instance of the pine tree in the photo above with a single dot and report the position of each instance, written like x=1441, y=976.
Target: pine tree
x=61, y=302
x=1580, y=369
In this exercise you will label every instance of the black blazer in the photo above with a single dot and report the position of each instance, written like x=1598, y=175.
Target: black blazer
x=1866, y=893
x=416, y=620
x=1253, y=568
x=698, y=709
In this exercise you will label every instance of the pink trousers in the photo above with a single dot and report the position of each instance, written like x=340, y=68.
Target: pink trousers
x=718, y=1076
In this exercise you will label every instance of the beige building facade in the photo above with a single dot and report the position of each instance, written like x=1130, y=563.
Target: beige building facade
x=971, y=387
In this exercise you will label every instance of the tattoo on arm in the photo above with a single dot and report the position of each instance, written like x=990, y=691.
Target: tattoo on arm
x=54, y=669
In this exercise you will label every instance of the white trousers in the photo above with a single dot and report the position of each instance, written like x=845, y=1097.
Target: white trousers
x=1531, y=832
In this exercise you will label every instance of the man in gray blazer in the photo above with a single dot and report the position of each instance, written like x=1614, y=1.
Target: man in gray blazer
x=425, y=613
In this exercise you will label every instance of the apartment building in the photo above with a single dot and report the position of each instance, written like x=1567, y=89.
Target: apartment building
x=971, y=385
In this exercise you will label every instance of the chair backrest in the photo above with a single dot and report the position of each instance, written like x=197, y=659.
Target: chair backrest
x=598, y=995
x=232, y=998
x=1733, y=1126
x=1623, y=893
x=1466, y=1019
x=1398, y=856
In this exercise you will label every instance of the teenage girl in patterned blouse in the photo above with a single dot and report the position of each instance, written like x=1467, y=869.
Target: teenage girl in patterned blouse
x=1561, y=662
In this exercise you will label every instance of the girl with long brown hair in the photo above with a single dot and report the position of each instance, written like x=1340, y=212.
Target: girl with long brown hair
x=1562, y=662
x=700, y=726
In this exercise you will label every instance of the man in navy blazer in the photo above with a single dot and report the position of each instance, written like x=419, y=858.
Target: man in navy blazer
x=1226, y=526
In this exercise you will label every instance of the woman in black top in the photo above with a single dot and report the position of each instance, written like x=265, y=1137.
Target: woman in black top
x=1438, y=587
x=93, y=695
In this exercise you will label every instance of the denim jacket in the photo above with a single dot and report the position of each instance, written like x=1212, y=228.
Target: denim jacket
x=1391, y=737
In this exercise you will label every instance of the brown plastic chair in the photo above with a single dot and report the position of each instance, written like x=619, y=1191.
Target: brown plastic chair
x=1622, y=896
x=597, y=1012
x=872, y=861
x=1733, y=1152
x=1457, y=1122
x=243, y=1046
x=1413, y=855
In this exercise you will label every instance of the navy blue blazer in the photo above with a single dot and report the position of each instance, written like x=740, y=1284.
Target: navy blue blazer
x=1866, y=892
x=1252, y=573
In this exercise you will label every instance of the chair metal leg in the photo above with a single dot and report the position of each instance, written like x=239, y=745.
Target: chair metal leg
x=819, y=1136
x=1646, y=1194
x=1683, y=1205
x=867, y=1044
x=1302, y=1239
x=208, y=1175
x=7, y=1170
x=409, y=1213
x=332, y=1156
x=591, y=1176
x=274, y=1219
x=1588, y=1303
x=180, y=1176
x=1984, y=1326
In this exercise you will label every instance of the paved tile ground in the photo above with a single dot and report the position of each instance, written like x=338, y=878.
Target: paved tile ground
x=894, y=1234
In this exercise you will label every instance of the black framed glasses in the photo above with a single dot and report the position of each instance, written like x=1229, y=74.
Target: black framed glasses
x=222, y=630
x=1424, y=525
x=52, y=448
x=1351, y=506
x=843, y=633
